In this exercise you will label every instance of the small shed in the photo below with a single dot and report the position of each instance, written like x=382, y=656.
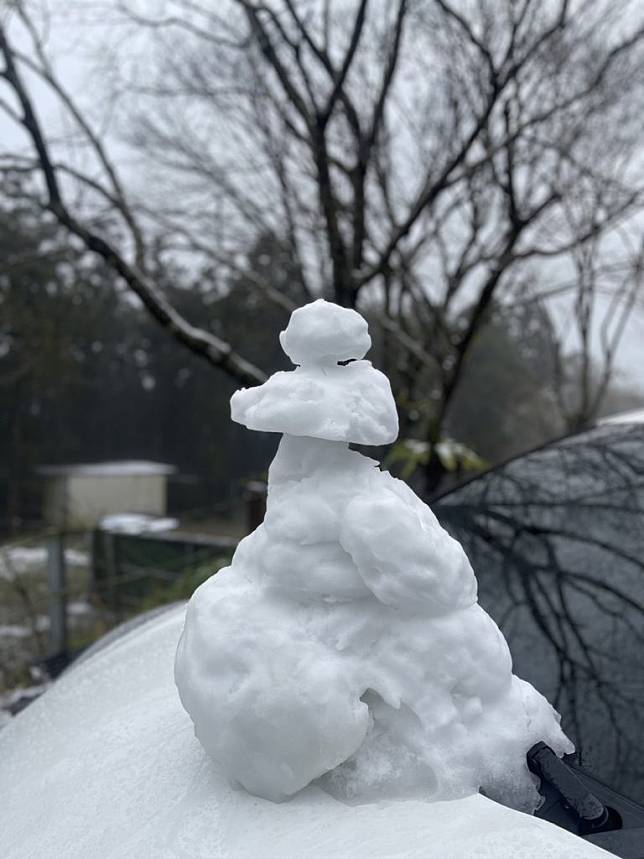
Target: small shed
x=79, y=495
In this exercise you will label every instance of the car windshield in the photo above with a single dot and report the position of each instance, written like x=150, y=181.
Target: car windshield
x=556, y=538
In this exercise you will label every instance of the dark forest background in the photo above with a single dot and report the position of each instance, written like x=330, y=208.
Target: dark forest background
x=86, y=374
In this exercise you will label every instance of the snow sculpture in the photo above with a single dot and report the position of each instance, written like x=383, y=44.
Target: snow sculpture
x=344, y=643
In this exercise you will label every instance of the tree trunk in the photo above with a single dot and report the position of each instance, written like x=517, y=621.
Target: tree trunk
x=435, y=473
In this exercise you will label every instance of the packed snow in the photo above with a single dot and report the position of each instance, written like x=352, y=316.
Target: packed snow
x=320, y=398
x=105, y=764
x=14, y=697
x=324, y=333
x=344, y=646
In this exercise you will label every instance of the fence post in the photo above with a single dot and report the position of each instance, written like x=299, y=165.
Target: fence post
x=112, y=572
x=57, y=595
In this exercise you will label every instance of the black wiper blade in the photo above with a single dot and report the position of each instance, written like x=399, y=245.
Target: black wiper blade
x=576, y=801
x=592, y=814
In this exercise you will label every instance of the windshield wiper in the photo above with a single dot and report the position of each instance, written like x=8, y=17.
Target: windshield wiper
x=576, y=801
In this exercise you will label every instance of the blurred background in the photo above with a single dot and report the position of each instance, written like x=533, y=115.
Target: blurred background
x=177, y=176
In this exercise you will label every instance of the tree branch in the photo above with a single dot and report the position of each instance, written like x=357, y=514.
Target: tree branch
x=214, y=350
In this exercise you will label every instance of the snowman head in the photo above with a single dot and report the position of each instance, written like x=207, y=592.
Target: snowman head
x=322, y=333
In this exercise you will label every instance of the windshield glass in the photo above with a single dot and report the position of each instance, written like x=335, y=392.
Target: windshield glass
x=556, y=538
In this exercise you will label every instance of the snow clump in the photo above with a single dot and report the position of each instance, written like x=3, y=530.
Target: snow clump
x=344, y=644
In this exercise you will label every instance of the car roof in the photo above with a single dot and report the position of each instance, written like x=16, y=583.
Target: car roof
x=105, y=764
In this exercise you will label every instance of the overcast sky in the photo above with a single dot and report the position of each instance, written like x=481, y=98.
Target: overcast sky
x=74, y=46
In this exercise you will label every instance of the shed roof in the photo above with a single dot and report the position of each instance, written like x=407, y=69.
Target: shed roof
x=113, y=468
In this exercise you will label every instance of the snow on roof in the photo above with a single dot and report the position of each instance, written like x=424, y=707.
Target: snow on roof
x=137, y=523
x=114, y=468
x=635, y=416
x=111, y=738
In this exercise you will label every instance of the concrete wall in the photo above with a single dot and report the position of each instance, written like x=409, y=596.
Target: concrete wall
x=79, y=501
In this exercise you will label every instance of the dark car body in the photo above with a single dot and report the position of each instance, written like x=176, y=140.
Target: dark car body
x=556, y=538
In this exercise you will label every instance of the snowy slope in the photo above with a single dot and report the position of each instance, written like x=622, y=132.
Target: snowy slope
x=105, y=764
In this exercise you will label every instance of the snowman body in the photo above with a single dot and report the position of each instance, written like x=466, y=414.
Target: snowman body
x=344, y=643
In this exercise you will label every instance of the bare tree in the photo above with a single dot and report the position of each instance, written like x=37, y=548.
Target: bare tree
x=423, y=161
x=110, y=188
x=581, y=381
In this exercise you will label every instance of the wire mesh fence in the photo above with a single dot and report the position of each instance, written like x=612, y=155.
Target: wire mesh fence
x=132, y=571
x=59, y=592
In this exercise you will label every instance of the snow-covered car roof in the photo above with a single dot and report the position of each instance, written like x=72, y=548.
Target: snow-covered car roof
x=105, y=764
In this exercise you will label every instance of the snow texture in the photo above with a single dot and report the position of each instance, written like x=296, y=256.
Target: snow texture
x=345, y=645
x=105, y=764
x=323, y=333
x=320, y=398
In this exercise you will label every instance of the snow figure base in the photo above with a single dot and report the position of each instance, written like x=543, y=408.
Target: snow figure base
x=344, y=644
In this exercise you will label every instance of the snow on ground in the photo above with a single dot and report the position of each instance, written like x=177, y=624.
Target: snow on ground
x=29, y=559
x=14, y=630
x=345, y=642
x=75, y=608
x=20, y=630
x=105, y=764
x=78, y=608
x=8, y=699
x=137, y=523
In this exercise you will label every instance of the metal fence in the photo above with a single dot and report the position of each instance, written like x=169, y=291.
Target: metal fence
x=61, y=591
x=130, y=569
